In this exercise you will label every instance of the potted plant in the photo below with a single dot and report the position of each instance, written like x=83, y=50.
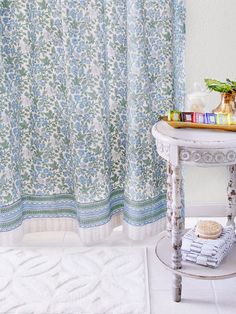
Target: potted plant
x=228, y=93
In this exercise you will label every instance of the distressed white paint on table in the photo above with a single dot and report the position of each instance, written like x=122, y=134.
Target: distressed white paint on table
x=203, y=148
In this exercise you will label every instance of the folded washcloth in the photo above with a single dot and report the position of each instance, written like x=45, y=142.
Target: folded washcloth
x=206, y=246
x=207, y=260
x=207, y=252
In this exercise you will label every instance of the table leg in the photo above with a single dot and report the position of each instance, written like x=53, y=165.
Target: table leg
x=183, y=204
x=177, y=229
x=231, y=210
x=169, y=199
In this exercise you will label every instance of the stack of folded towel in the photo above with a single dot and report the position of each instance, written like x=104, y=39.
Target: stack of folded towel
x=207, y=252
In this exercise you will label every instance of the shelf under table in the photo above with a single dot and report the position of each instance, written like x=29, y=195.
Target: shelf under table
x=226, y=269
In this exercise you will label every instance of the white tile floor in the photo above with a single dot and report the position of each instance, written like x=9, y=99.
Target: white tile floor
x=198, y=296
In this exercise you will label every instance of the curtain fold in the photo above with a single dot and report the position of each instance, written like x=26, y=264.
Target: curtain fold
x=81, y=84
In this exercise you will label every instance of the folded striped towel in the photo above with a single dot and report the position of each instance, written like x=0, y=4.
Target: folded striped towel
x=207, y=252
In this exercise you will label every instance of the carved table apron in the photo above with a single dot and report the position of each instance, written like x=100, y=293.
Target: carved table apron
x=197, y=147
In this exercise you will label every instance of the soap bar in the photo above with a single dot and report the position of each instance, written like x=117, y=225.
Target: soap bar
x=186, y=117
x=208, y=229
x=232, y=118
x=198, y=117
x=174, y=115
x=222, y=119
x=209, y=118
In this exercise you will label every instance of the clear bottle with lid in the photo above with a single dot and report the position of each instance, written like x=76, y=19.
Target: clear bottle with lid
x=196, y=100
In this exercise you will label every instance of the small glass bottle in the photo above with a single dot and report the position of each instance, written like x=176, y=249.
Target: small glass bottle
x=196, y=100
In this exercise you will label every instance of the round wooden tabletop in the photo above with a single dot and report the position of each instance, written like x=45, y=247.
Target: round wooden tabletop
x=194, y=137
x=226, y=269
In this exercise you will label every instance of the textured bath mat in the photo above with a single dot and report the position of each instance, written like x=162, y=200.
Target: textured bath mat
x=73, y=281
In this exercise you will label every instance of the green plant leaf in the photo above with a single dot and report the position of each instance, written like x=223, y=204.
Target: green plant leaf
x=233, y=84
x=218, y=86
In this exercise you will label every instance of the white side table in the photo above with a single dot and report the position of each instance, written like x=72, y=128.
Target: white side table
x=202, y=148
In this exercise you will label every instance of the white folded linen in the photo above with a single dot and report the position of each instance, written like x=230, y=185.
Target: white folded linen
x=207, y=252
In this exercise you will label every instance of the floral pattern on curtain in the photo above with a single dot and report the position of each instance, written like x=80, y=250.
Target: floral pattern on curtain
x=81, y=84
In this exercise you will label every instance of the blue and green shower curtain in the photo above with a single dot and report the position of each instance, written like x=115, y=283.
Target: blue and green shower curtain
x=81, y=84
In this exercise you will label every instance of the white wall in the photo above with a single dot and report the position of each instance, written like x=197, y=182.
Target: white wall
x=210, y=53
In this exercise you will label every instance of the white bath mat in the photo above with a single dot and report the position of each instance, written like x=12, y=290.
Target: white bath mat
x=73, y=281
